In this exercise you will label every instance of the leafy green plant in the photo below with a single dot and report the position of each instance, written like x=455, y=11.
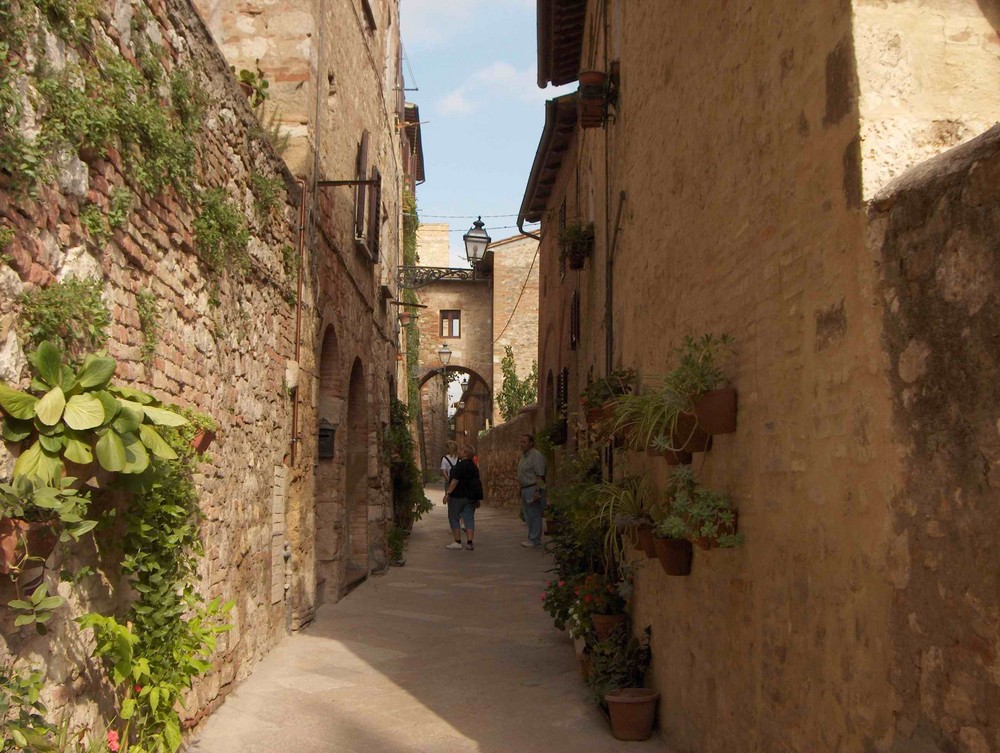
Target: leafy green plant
x=656, y=415
x=409, y=502
x=266, y=194
x=618, y=382
x=558, y=599
x=395, y=540
x=36, y=609
x=515, y=393
x=94, y=222
x=221, y=234
x=6, y=236
x=78, y=415
x=290, y=259
x=620, y=503
x=71, y=314
x=147, y=307
x=697, y=514
x=24, y=498
x=596, y=593
x=620, y=661
x=576, y=241
x=23, y=726
x=254, y=83
x=120, y=205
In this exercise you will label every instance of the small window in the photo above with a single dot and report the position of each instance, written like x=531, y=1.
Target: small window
x=451, y=323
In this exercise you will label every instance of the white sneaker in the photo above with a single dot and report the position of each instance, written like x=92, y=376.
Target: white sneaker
x=454, y=545
x=529, y=544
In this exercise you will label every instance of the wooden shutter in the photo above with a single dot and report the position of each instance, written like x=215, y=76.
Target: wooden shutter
x=574, y=321
x=362, y=173
x=375, y=214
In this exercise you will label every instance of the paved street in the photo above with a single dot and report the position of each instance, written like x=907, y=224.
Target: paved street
x=450, y=653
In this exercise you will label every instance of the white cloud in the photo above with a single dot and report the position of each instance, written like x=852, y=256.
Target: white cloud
x=429, y=23
x=497, y=81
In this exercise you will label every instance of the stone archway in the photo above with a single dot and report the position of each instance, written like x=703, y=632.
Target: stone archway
x=441, y=421
x=329, y=494
x=356, y=471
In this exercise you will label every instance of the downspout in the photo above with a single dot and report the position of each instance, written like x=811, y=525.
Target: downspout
x=293, y=452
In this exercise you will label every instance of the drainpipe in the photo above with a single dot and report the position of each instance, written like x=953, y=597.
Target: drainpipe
x=293, y=452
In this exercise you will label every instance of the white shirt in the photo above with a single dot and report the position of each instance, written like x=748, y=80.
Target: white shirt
x=446, y=466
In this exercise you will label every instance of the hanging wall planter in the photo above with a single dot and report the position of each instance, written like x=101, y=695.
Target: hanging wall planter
x=605, y=624
x=20, y=539
x=405, y=317
x=576, y=244
x=675, y=555
x=592, y=99
x=202, y=440
x=715, y=410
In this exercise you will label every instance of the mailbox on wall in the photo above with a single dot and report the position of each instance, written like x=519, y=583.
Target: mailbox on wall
x=326, y=439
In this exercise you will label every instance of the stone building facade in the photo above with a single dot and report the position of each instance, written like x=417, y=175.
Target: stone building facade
x=497, y=308
x=728, y=194
x=303, y=341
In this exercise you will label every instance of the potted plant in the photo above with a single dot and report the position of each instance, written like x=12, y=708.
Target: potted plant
x=599, y=607
x=623, y=506
x=701, y=515
x=680, y=411
x=592, y=98
x=597, y=398
x=558, y=599
x=576, y=243
x=34, y=517
x=617, y=670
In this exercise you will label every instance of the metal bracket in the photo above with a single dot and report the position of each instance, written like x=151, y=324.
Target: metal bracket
x=411, y=277
x=324, y=183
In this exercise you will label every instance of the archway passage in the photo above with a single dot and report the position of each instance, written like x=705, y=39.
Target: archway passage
x=329, y=494
x=454, y=407
x=356, y=550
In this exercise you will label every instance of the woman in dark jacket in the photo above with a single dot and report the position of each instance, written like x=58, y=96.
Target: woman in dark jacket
x=462, y=498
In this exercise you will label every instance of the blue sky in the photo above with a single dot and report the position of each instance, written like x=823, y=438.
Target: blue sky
x=474, y=62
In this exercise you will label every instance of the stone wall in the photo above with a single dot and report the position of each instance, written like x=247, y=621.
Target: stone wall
x=433, y=244
x=935, y=234
x=929, y=79
x=224, y=343
x=515, y=306
x=499, y=451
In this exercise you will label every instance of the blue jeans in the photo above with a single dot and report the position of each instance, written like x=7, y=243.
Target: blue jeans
x=461, y=508
x=533, y=509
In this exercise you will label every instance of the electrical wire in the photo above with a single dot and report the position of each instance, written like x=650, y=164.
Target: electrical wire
x=518, y=301
x=456, y=216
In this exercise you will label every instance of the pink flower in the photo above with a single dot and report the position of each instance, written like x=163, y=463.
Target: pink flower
x=562, y=583
x=112, y=741
x=544, y=597
x=588, y=598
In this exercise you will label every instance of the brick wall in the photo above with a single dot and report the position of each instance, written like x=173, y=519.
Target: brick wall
x=934, y=234
x=515, y=305
x=224, y=343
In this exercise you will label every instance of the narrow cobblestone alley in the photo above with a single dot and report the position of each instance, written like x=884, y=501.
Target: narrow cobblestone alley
x=450, y=653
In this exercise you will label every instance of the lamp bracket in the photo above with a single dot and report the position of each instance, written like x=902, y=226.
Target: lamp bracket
x=412, y=277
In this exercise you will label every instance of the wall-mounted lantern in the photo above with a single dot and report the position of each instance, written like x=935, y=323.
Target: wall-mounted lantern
x=477, y=240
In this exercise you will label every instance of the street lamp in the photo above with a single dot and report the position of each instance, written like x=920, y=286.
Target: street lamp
x=477, y=240
x=444, y=354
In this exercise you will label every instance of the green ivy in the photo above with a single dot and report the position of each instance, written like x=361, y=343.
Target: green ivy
x=266, y=194
x=71, y=314
x=221, y=234
x=408, y=500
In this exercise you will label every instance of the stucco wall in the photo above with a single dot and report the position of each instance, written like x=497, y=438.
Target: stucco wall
x=499, y=451
x=935, y=235
x=736, y=144
x=224, y=343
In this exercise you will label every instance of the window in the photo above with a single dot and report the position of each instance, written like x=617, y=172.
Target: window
x=451, y=323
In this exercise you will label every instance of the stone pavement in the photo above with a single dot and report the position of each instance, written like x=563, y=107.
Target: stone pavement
x=451, y=653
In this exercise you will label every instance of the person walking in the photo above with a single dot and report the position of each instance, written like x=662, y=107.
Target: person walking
x=449, y=459
x=463, y=496
x=531, y=477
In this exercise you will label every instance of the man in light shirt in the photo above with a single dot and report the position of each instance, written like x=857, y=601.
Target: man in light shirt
x=531, y=478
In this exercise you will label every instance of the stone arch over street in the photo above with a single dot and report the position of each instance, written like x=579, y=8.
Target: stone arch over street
x=451, y=414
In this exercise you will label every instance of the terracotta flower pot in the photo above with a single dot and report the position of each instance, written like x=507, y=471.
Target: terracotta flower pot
x=716, y=411
x=19, y=538
x=677, y=458
x=202, y=440
x=675, y=555
x=405, y=317
x=605, y=624
x=689, y=436
x=601, y=414
x=647, y=540
x=632, y=712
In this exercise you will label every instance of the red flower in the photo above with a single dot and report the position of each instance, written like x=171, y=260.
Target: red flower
x=113, y=741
